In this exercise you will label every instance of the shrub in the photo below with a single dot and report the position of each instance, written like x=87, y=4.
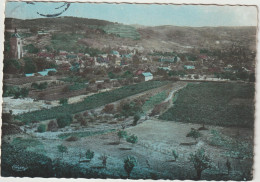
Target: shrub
x=136, y=118
x=72, y=139
x=41, y=95
x=52, y=126
x=109, y=108
x=63, y=101
x=93, y=101
x=89, y=154
x=99, y=86
x=41, y=128
x=66, y=89
x=196, y=76
x=34, y=85
x=175, y=155
x=93, y=81
x=159, y=107
x=15, y=91
x=200, y=161
x=51, y=73
x=107, y=80
x=121, y=134
x=129, y=163
x=132, y=139
x=130, y=109
x=29, y=66
x=85, y=113
x=82, y=121
x=42, y=86
x=64, y=120
x=31, y=49
x=77, y=116
x=62, y=149
x=24, y=92
x=194, y=134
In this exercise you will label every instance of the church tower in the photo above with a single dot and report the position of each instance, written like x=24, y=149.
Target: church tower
x=16, y=46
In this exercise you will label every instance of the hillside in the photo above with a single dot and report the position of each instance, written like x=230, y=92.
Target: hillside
x=160, y=38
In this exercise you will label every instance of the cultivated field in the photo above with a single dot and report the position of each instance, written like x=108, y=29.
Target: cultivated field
x=225, y=104
x=157, y=139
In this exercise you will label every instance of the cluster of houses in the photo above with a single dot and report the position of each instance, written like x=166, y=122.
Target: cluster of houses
x=70, y=61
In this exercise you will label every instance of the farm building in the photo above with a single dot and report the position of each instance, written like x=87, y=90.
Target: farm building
x=29, y=74
x=116, y=53
x=189, y=67
x=146, y=76
x=43, y=32
x=46, y=71
x=165, y=68
x=170, y=60
x=41, y=73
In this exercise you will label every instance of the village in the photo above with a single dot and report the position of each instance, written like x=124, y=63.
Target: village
x=105, y=84
x=92, y=70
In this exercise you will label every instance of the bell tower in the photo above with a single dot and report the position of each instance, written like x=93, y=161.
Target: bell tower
x=16, y=45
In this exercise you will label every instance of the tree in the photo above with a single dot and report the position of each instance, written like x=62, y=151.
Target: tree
x=12, y=66
x=111, y=75
x=193, y=133
x=132, y=139
x=136, y=60
x=66, y=89
x=109, y=108
x=42, y=86
x=200, y=161
x=82, y=121
x=136, y=118
x=31, y=49
x=228, y=164
x=252, y=77
x=41, y=128
x=52, y=126
x=129, y=163
x=64, y=120
x=121, y=134
x=90, y=154
x=175, y=155
x=104, y=160
x=63, y=101
x=29, y=66
x=24, y=92
x=62, y=149
x=93, y=81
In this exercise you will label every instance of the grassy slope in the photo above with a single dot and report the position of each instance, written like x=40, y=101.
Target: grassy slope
x=210, y=103
x=90, y=102
x=156, y=99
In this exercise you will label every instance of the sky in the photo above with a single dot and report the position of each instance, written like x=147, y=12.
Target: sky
x=149, y=15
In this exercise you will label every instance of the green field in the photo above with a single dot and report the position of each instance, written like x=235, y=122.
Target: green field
x=124, y=31
x=90, y=102
x=84, y=134
x=224, y=104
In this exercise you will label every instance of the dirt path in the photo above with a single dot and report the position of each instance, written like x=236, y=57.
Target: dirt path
x=176, y=86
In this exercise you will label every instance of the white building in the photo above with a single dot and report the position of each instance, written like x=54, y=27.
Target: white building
x=146, y=76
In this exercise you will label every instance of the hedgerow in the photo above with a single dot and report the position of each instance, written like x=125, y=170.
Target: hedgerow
x=90, y=102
